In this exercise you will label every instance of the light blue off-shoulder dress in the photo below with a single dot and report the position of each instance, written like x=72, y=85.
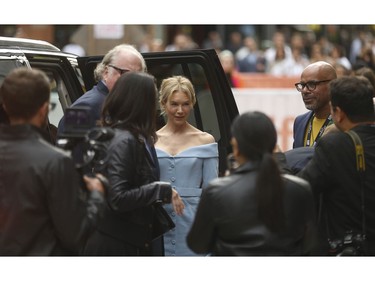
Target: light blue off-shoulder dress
x=188, y=172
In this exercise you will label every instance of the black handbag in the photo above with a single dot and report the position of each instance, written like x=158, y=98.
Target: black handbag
x=162, y=221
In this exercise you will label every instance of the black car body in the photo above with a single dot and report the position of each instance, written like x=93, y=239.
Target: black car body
x=71, y=76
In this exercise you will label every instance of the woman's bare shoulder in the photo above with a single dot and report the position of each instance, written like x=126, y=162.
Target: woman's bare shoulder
x=204, y=137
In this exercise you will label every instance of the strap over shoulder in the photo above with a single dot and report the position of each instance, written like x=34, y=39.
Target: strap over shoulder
x=360, y=157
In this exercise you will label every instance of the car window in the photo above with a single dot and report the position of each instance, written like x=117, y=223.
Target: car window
x=7, y=64
x=59, y=94
x=65, y=84
x=60, y=98
x=57, y=89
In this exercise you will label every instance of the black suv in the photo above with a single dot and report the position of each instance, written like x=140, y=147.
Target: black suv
x=71, y=76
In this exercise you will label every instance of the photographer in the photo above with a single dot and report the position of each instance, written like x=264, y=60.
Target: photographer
x=42, y=211
x=347, y=206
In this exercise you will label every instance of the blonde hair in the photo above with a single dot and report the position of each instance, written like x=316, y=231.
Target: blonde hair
x=175, y=84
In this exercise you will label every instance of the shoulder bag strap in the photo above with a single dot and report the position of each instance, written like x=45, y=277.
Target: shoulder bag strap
x=361, y=167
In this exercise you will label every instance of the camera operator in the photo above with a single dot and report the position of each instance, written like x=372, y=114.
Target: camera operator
x=42, y=210
x=347, y=201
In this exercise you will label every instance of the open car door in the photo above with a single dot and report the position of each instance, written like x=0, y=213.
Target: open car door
x=215, y=108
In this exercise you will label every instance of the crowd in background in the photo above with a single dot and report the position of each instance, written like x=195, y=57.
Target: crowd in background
x=282, y=50
x=287, y=54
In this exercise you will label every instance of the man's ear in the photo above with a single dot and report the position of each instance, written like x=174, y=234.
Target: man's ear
x=340, y=114
x=45, y=107
x=42, y=114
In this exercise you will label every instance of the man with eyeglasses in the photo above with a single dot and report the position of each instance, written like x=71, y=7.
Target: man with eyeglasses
x=341, y=172
x=309, y=127
x=314, y=88
x=117, y=61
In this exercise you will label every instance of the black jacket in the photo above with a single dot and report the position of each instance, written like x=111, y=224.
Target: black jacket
x=42, y=206
x=129, y=220
x=335, y=183
x=226, y=222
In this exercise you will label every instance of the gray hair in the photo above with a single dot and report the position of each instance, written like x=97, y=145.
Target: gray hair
x=109, y=57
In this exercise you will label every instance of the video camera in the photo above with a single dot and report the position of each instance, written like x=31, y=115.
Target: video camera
x=353, y=244
x=85, y=141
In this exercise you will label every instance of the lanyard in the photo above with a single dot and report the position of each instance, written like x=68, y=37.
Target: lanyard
x=321, y=131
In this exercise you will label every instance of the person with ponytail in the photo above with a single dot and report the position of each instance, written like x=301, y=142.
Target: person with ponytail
x=256, y=210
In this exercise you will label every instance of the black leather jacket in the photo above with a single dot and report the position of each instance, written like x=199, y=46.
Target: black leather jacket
x=133, y=173
x=226, y=222
x=42, y=206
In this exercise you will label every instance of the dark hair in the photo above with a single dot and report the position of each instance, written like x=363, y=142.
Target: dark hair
x=368, y=73
x=353, y=94
x=256, y=137
x=24, y=91
x=4, y=119
x=132, y=104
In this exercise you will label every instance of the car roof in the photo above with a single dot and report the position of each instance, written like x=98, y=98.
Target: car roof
x=22, y=43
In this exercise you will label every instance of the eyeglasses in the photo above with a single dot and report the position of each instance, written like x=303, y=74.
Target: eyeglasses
x=311, y=85
x=120, y=70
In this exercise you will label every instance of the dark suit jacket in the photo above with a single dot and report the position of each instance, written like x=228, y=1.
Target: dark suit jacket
x=299, y=128
x=297, y=158
x=93, y=99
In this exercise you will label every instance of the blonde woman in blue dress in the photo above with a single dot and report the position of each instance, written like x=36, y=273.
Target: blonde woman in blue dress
x=188, y=158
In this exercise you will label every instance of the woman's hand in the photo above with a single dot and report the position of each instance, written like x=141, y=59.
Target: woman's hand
x=96, y=183
x=177, y=203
